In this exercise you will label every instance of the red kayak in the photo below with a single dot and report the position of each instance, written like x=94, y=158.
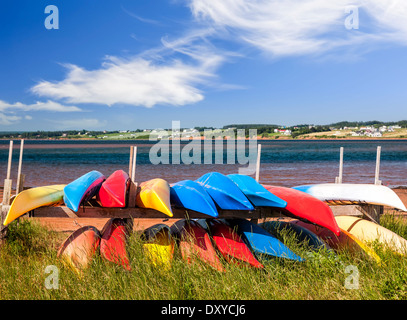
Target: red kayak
x=113, y=242
x=194, y=242
x=230, y=245
x=303, y=206
x=112, y=193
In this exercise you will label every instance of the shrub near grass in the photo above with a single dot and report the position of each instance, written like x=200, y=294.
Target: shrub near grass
x=30, y=248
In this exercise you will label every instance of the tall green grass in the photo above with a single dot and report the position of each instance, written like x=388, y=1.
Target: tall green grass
x=30, y=248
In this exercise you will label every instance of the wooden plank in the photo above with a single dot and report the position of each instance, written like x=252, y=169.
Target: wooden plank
x=377, y=172
x=258, y=162
x=20, y=184
x=96, y=212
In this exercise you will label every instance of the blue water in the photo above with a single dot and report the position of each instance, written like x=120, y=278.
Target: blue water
x=284, y=162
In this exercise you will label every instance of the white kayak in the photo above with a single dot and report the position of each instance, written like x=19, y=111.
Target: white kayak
x=349, y=193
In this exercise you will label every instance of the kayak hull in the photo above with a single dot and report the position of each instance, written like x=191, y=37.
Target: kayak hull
x=256, y=193
x=230, y=244
x=113, y=191
x=159, y=246
x=302, y=234
x=224, y=192
x=33, y=198
x=262, y=242
x=345, y=240
x=191, y=195
x=82, y=189
x=155, y=194
x=349, y=193
x=368, y=231
x=113, y=242
x=80, y=247
x=195, y=243
x=301, y=205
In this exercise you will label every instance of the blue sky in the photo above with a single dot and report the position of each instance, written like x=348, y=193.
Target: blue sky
x=141, y=64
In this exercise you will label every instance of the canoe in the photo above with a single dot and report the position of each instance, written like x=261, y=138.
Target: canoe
x=80, y=247
x=195, y=244
x=345, y=240
x=159, y=246
x=352, y=193
x=302, y=234
x=155, y=194
x=263, y=243
x=230, y=244
x=301, y=205
x=113, y=191
x=256, y=193
x=82, y=189
x=33, y=198
x=191, y=195
x=224, y=192
x=368, y=231
x=113, y=242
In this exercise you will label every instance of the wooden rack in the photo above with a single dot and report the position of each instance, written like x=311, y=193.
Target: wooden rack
x=90, y=210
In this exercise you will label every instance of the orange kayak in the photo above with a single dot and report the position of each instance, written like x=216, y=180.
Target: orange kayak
x=80, y=247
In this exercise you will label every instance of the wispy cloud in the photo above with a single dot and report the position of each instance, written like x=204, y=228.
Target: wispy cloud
x=166, y=75
x=10, y=112
x=297, y=27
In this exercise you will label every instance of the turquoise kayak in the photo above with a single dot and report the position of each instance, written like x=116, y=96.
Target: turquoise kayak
x=191, y=195
x=262, y=242
x=224, y=192
x=82, y=189
x=256, y=193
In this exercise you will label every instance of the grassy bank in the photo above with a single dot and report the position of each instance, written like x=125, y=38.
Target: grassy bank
x=30, y=249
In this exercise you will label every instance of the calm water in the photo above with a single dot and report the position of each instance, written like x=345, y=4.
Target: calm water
x=285, y=163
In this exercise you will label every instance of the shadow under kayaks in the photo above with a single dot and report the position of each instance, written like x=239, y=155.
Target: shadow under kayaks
x=302, y=234
x=256, y=193
x=82, y=189
x=301, y=205
x=33, y=198
x=155, y=194
x=353, y=193
x=159, y=246
x=113, y=191
x=262, y=242
x=194, y=243
x=224, y=192
x=230, y=244
x=113, y=242
x=80, y=247
x=191, y=195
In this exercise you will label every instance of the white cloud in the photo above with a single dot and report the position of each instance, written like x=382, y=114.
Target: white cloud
x=298, y=27
x=144, y=80
x=8, y=110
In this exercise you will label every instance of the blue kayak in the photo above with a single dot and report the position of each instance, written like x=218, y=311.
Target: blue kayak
x=82, y=189
x=224, y=192
x=302, y=234
x=262, y=242
x=191, y=195
x=256, y=193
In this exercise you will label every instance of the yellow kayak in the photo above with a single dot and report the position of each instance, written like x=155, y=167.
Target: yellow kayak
x=30, y=199
x=159, y=246
x=155, y=194
x=369, y=231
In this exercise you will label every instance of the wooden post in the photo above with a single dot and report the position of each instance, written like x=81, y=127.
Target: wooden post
x=132, y=173
x=133, y=170
x=131, y=161
x=339, y=178
x=376, y=179
x=6, y=194
x=20, y=177
x=258, y=162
